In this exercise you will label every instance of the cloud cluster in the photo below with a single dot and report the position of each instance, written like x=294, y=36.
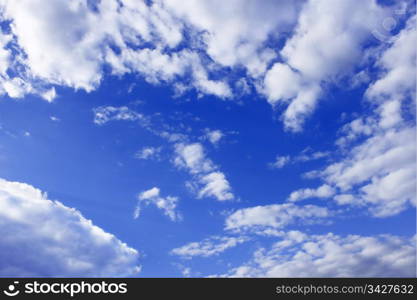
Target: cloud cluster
x=327, y=44
x=41, y=237
x=288, y=51
x=378, y=168
x=330, y=255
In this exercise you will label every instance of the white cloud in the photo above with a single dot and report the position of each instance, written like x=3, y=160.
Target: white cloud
x=141, y=38
x=274, y=216
x=208, y=247
x=214, y=136
x=326, y=46
x=49, y=95
x=52, y=49
x=306, y=155
x=324, y=191
x=331, y=255
x=148, y=153
x=215, y=185
x=5, y=54
x=16, y=87
x=398, y=63
x=383, y=170
x=192, y=157
x=281, y=83
x=41, y=237
x=234, y=32
x=56, y=41
x=104, y=114
x=209, y=181
x=280, y=162
x=378, y=165
x=167, y=204
x=55, y=119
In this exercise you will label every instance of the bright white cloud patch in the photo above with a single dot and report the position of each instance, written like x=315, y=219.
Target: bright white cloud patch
x=326, y=46
x=49, y=95
x=167, y=204
x=215, y=185
x=274, y=216
x=324, y=191
x=208, y=247
x=193, y=157
x=41, y=237
x=236, y=30
x=214, y=136
x=209, y=181
x=331, y=255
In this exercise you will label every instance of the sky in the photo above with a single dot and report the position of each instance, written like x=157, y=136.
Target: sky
x=235, y=138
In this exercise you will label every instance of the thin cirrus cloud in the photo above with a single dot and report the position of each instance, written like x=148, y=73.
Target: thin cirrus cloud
x=276, y=216
x=208, y=247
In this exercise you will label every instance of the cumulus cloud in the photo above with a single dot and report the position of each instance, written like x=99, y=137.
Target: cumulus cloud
x=41, y=237
x=326, y=45
x=208, y=247
x=330, y=255
x=167, y=204
x=209, y=181
x=324, y=191
x=234, y=33
x=274, y=216
x=322, y=43
x=68, y=43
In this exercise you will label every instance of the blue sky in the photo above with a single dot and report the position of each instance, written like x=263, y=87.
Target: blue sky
x=253, y=138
